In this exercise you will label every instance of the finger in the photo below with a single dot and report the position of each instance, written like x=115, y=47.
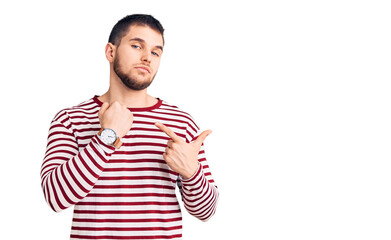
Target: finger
x=166, y=158
x=103, y=108
x=168, y=151
x=168, y=131
x=170, y=144
x=200, y=139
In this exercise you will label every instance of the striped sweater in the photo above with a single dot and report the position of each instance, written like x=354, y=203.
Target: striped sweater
x=125, y=193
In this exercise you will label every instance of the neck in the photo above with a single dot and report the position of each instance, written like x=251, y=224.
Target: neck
x=127, y=97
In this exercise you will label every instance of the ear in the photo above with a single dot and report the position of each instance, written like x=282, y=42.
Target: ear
x=110, y=52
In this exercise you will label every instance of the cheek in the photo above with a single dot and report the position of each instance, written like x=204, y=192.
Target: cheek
x=156, y=65
x=127, y=57
x=125, y=64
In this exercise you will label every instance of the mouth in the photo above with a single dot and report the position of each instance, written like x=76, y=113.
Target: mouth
x=144, y=69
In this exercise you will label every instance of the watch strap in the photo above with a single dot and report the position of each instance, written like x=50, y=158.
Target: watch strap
x=117, y=144
x=100, y=131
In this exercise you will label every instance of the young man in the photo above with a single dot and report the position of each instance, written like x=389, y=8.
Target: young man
x=118, y=157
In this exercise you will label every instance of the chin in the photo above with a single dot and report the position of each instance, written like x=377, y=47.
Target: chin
x=137, y=85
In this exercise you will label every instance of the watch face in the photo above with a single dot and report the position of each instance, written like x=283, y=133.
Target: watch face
x=108, y=136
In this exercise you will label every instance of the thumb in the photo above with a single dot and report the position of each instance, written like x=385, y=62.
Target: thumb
x=103, y=108
x=202, y=137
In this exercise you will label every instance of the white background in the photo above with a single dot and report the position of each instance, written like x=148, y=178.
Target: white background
x=297, y=94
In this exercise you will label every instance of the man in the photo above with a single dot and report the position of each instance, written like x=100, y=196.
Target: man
x=118, y=157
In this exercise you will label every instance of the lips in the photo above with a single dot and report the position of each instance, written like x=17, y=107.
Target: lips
x=145, y=69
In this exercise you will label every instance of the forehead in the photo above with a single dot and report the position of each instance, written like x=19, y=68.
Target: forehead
x=149, y=35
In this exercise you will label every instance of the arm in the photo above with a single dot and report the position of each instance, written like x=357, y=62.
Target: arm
x=199, y=193
x=68, y=175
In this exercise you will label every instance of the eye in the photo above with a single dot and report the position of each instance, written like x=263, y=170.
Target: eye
x=136, y=46
x=155, y=54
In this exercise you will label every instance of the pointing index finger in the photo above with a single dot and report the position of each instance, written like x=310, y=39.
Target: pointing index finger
x=168, y=131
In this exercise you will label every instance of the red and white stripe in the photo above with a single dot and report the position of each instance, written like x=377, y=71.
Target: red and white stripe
x=126, y=193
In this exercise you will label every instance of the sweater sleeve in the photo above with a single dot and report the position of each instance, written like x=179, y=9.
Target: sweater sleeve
x=199, y=193
x=67, y=174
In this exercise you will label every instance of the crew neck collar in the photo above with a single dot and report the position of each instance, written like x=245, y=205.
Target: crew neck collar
x=157, y=105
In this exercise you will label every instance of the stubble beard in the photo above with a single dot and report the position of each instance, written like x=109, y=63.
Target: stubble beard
x=130, y=81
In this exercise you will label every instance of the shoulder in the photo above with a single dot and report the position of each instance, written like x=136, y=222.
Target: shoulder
x=177, y=112
x=84, y=109
x=191, y=126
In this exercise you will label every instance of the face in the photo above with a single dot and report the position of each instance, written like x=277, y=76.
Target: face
x=137, y=58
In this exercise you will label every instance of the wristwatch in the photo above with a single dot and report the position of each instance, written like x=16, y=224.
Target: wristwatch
x=109, y=137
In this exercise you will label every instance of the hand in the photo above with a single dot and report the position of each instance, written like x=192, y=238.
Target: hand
x=117, y=117
x=180, y=156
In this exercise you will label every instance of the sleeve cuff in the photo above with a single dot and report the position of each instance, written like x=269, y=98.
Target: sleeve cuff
x=108, y=149
x=193, y=180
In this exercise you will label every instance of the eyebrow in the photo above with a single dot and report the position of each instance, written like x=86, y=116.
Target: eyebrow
x=143, y=41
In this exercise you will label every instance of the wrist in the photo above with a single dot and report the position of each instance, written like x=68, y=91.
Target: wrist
x=190, y=173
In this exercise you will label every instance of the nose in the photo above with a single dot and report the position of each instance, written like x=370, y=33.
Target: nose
x=146, y=56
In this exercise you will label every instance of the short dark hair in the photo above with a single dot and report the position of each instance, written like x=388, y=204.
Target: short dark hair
x=121, y=28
